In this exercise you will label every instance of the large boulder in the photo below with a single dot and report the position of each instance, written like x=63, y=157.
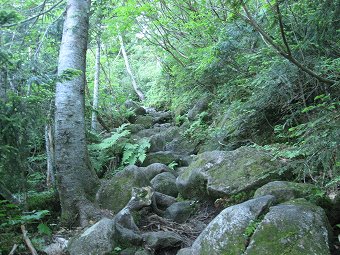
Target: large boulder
x=165, y=183
x=182, y=145
x=134, y=128
x=164, y=157
x=146, y=121
x=138, y=110
x=216, y=174
x=164, y=201
x=154, y=169
x=108, y=234
x=162, y=240
x=225, y=233
x=200, y=106
x=115, y=193
x=284, y=191
x=97, y=239
x=180, y=211
x=296, y=227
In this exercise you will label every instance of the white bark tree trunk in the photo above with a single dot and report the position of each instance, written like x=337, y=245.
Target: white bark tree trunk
x=50, y=180
x=76, y=181
x=138, y=91
x=96, y=88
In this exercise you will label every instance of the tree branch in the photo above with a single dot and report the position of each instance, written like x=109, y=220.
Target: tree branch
x=33, y=17
x=28, y=241
x=283, y=35
x=281, y=51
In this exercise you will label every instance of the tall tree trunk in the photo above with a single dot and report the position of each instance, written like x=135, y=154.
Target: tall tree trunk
x=76, y=181
x=49, y=147
x=96, y=88
x=128, y=69
x=50, y=180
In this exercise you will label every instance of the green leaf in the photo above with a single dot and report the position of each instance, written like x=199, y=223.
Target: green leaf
x=44, y=229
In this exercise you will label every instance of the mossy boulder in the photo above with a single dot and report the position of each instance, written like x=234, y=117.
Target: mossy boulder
x=180, y=211
x=97, y=239
x=134, y=128
x=225, y=233
x=165, y=183
x=138, y=110
x=296, y=227
x=162, y=240
x=154, y=169
x=216, y=174
x=284, y=191
x=115, y=193
x=164, y=157
x=200, y=106
x=146, y=121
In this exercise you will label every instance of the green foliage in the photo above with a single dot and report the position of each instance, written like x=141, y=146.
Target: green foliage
x=44, y=229
x=117, y=147
x=172, y=165
x=135, y=153
x=11, y=215
x=105, y=151
x=199, y=129
x=7, y=17
x=250, y=229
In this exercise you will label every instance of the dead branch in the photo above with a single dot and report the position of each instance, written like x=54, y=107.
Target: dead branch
x=15, y=246
x=28, y=241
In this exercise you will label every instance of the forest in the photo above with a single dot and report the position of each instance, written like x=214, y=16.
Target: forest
x=154, y=127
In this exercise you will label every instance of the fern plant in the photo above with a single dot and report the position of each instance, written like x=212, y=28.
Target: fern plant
x=135, y=153
x=105, y=151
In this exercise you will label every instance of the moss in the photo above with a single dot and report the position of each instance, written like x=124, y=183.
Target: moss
x=292, y=228
x=46, y=200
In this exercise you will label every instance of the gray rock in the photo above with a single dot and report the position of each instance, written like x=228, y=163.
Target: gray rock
x=162, y=117
x=225, y=233
x=164, y=201
x=146, y=121
x=96, y=240
x=58, y=247
x=295, y=228
x=154, y=169
x=128, y=251
x=134, y=128
x=216, y=174
x=162, y=240
x=138, y=110
x=143, y=252
x=185, y=251
x=107, y=234
x=182, y=146
x=164, y=157
x=115, y=193
x=180, y=211
x=165, y=183
x=198, y=108
x=157, y=143
x=284, y=191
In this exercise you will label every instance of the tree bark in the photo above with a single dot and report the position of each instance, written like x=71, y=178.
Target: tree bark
x=138, y=91
x=50, y=180
x=77, y=182
x=96, y=88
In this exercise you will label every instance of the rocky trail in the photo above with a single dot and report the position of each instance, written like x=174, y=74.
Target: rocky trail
x=211, y=202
